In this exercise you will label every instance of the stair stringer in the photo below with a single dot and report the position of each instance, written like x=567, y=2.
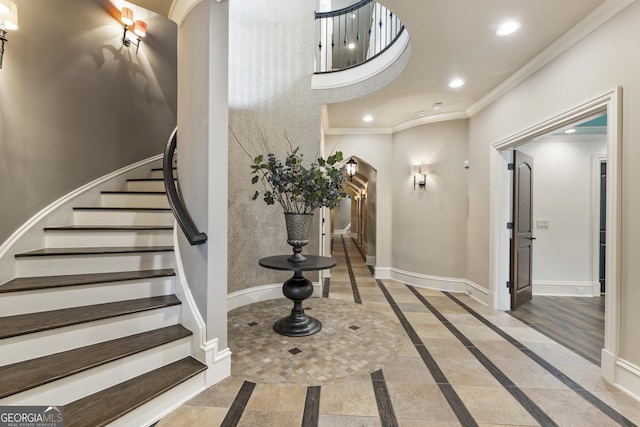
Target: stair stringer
x=30, y=235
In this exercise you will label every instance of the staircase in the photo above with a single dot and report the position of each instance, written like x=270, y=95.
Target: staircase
x=91, y=321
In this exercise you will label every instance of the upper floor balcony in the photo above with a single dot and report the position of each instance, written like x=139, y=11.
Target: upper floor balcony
x=355, y=43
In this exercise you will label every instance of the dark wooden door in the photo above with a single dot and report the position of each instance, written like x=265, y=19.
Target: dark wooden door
x=522, y=235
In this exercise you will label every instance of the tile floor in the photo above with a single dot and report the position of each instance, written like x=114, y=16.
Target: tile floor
x=442, y=360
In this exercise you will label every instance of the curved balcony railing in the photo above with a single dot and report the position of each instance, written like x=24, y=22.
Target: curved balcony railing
x=354, y=35
x=188, y=227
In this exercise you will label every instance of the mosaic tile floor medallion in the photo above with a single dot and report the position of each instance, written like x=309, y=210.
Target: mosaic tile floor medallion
x=354, y=340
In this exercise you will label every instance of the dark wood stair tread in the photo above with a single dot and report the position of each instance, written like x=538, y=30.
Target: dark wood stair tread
x=108, y=228
x=106, y=406
x=28, y=374
x=21, y=324
x=46, y=282
x=94, y=251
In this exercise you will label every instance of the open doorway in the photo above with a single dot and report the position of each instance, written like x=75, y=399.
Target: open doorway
x=562, y=243
x=355, y=217
x=609, y=104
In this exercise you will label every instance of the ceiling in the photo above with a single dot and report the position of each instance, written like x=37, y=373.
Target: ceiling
x=456, y=38
x=452, y=38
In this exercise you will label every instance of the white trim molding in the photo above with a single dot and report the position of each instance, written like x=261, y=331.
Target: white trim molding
x=566, y=288
x=438, y=283
x=625, y=376
x=444, y=117
x=180, y=9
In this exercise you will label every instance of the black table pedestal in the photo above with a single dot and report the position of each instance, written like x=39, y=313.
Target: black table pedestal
x=297, y=324
x=297, y=289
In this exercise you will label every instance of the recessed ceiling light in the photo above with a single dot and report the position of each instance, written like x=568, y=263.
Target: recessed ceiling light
x=437, y=106
x=508, y=27
x=352, y=45
x=422, y=113
x=367, y=118
x=456, y=83
x=570, y=131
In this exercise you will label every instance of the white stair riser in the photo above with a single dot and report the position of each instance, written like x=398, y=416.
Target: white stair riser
x=159, y=174
x=93, y=380
x=145, y=185
x=93, y=238
x=134, y=200
x=112, y=217
x=39, y=344
x=84, y=264
x=15, y=303
x=162, y=405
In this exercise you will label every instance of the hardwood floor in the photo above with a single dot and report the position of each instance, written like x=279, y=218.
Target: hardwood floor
x=575, y=322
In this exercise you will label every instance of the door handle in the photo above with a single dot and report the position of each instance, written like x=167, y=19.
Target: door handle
x=531, y=238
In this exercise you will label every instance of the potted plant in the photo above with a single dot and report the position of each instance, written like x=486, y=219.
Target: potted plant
x=299, y=190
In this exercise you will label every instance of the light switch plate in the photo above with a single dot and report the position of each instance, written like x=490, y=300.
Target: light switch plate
x=542, y=224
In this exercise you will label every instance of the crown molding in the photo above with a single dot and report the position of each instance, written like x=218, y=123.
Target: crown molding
x=586, y=26
x=456, y=115
x=358, y=131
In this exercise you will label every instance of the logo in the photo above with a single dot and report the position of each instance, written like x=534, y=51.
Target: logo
x=31, y=416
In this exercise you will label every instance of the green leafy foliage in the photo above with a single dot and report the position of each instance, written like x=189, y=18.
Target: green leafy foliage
x=297, y=188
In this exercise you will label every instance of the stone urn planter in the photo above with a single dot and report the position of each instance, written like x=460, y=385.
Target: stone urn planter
x=298, y=230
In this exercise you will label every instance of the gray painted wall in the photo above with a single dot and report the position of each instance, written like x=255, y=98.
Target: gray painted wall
x=75, y=104
x=429, y=227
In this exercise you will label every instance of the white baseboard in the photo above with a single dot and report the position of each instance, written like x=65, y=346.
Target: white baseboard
x=625, y=376
x=341, y=231
x=371, y=260
x=446, y=284
x=382, y=272
x=262, y=293
x=566, y=288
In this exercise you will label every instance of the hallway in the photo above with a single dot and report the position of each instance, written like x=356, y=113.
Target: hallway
x=456, y=363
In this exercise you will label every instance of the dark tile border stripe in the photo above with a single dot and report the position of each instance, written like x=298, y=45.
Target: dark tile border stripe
x=311, y=414
x=325, y=287
x=383, y=400
x=606, y=409
x=352, y=277
x=364, y=258
x=529, y=405
x=239, y=403
x=458, y=407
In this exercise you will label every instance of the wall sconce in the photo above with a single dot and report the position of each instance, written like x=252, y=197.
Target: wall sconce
x=419, y=176
x=352, y=167
x=8, y=21
x=139, y=28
